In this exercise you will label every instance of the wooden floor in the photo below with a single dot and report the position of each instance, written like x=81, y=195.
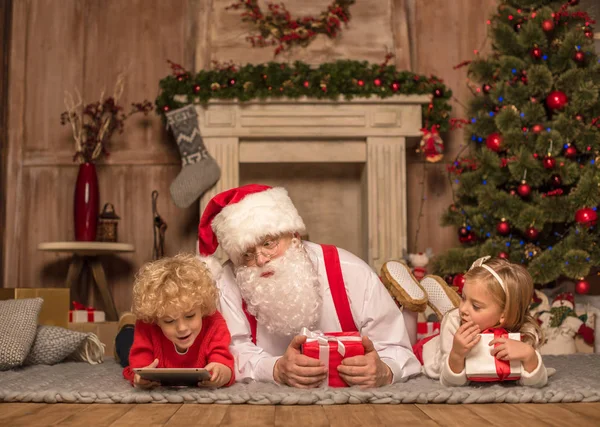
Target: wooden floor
x=503, y=415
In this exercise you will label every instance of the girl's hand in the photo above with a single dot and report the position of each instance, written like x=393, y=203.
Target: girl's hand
x=143, y=383
x=220, y=375
x=465, y=338
x=508, y=349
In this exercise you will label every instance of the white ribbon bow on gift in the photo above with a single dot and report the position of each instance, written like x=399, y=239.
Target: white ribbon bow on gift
x=324, y=341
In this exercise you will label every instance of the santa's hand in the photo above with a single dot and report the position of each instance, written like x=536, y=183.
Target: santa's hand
x=366, y=371
x=219, y=375
x=143, y=383
x=298, y=370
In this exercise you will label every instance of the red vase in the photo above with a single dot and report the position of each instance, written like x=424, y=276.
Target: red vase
x=86, y=203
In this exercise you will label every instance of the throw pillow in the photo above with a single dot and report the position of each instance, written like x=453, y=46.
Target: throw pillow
x=54, y=344
x=18, y=325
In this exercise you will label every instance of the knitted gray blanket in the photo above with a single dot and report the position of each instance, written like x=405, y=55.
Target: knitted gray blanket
x=577, y=380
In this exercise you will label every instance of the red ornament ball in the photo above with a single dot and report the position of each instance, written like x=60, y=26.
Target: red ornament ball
x=395, y=86
x=503, y=255
x=579, y=57
x=586, y=217
x=486, y=88
x=459, y=282
x=556, y=100
x=306, y=84
x=503, y=227
x=537, y=128
x=472, y=237
x=463, y=232
x=377, y=82
x=197, y=88
x=589, y=34
x=532, y=233
x=536, y=53
x=524, y=189
x=582, y=287
x=579, y=117
x=494, y=142
x=548, y=25
x=231, y=82
x=549, y=162
x=438, y=93
x=166, y=108
x=361, y=83
x=517, y=26
x=556, y=181
x=570, y=152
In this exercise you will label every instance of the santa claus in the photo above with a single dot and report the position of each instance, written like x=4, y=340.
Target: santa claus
x=275, y=284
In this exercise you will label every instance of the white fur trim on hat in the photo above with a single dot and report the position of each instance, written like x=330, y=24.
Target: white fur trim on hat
x=258, y=215
x=213, y=265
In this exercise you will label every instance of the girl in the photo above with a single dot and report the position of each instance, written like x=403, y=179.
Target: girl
x=496, y=293
x=174, y=300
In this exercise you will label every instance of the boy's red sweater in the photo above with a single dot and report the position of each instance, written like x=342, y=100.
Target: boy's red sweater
x=211, y=345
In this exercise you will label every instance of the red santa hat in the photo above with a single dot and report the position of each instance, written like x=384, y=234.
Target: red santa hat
x=565, y=296
x=241, y=217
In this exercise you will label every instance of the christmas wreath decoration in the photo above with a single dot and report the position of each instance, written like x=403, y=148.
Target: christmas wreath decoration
x=278, y=28
x=343, y=78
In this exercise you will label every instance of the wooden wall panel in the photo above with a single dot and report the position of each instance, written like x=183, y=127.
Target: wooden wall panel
x=5, y=30
x=85, y=43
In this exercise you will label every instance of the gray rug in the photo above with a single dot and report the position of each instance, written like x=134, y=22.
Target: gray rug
x=577, y=380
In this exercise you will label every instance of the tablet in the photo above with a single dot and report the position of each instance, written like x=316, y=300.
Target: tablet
x=174, y=376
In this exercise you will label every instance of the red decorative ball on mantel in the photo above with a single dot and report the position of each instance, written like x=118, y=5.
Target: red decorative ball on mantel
x=532, y=233
x=395, y=86
x=503, y=255
x=197, y=88
x=306, y=83
x=582, y=287
x=377, y=82
x=438, y=93
x=549, y=162
x=503, y=227
x=548, y=25
x=570, y=152
x=459, y=282
x=586, y=217
x=536, y=53
x=524, y=189
x=166, y=108
x=361, y=83
x=494, y=142
x=556, y=100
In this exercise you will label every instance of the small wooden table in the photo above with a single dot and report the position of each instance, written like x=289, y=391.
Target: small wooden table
x=86, y=253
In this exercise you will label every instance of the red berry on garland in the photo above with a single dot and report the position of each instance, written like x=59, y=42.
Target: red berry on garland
x=579, y=57
x=459, y=282
x=549, y=162
x=589, y=34
x=570, y=152
x=503, y=255
x=537, y=128
x=463, y=232
x=306, y=83
x=361, y=83
x=494, y=142
x=438, y=93
x=536, y=53
x=524, y=189
x=377, y=82
x=579, y=117
x=586, y=217
x=532, y=233
x=556, y=181
x=556, y=100
x=503, y=227
x=517, y=26
x=486, y=88
x=548, y=25
x=197, y=88
x=395, y=86
x=582, y=287
x=166, y=108
x=231, y=82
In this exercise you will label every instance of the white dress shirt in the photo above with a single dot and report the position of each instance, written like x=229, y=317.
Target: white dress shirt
x=374, y=312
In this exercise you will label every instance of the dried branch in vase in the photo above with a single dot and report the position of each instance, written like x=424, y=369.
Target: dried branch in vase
x=94, y=124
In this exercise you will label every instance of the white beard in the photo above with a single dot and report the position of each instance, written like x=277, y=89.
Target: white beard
x=286, y=301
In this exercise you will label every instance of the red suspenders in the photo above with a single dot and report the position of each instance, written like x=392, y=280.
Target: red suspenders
x=338, y=293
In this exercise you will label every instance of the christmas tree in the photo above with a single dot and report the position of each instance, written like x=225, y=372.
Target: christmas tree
x=529, y=186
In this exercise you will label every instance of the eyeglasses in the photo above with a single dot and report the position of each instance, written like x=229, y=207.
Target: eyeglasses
x=268, y=250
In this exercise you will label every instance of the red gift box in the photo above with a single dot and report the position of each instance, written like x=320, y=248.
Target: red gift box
x=427, y=329
x=331, y=348
x=83, y=314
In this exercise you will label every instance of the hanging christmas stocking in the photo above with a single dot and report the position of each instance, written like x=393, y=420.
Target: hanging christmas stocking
x=199, y=170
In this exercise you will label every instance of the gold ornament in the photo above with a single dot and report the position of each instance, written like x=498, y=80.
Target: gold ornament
x=531, y=251
x=215, y=86
x=248, y=86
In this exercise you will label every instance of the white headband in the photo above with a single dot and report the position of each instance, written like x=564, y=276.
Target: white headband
x=480, y=263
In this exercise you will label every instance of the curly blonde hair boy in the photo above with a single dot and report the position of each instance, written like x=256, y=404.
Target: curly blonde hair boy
x=172, y=286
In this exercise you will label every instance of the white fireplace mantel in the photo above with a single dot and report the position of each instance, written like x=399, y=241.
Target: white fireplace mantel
x=372, y=131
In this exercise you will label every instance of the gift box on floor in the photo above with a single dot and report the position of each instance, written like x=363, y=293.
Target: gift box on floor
x=426, y=329
x=105, y=331
x=331, y=348
x=481, y=366
x=55, y=309
x=82, y=314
